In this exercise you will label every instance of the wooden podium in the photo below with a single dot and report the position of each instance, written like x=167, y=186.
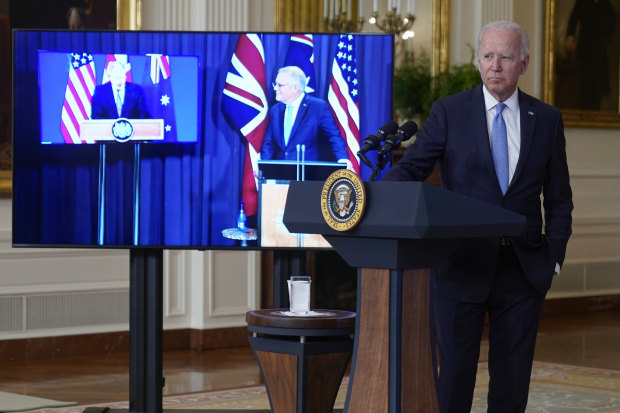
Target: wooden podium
x=408, y=228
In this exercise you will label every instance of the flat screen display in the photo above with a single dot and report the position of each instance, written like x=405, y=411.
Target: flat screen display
x=172, y=169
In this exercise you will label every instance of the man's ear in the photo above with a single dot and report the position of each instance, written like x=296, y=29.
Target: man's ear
x=525, y=64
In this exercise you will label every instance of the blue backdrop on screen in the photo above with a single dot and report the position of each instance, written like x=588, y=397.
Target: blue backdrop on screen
x=188, y=191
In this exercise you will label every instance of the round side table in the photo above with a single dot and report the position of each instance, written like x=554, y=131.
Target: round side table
x=302, y=359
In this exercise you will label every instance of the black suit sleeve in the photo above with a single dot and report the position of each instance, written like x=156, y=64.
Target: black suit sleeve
x=419, y=159
x=557, y=195
x=99, y=104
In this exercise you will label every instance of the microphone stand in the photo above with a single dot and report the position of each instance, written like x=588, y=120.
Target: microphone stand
x=382, y=160
x=365, y=159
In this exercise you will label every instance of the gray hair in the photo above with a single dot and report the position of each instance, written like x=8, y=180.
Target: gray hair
x=297, y=75
x=507, y=26
x=115, y=65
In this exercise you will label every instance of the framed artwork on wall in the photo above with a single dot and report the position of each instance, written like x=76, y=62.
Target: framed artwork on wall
x=581, y=73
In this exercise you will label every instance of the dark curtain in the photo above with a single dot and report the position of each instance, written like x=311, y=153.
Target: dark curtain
x=188, y=192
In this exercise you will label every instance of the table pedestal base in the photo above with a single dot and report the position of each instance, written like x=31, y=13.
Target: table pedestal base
x=302, y=359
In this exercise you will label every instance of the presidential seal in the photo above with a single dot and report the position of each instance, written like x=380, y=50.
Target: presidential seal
x=343, y=200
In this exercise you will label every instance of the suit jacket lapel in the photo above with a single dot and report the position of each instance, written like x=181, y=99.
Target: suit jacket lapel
x=478, y=118
x=111, y=101
x=301, y=112
x=527, y=114
x=278, y=120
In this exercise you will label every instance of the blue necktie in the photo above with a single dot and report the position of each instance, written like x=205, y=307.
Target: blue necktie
x=499, y=147
x=118, y=101
x=288, y=123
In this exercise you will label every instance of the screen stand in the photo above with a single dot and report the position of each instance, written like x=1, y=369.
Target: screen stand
x=146, y=379
x=145, y=330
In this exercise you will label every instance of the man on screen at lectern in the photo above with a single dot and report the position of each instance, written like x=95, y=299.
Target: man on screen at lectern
x=300, y=119
x=499, y=145
x=118, y=98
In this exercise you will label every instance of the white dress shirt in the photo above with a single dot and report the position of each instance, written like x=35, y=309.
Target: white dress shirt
x=295, y=106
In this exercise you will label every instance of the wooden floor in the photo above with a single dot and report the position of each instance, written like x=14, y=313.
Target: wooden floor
x=591, y=339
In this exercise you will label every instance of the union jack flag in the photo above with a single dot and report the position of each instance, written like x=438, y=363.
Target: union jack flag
x=122, y=58
x=78, y=95
x=160, y=67
x=244, y=101
x=343, y=96
x=301, y=54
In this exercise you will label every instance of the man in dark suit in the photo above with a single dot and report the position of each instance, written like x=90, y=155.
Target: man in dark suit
x=506, y=277
x=118, y=98
x=300, y=119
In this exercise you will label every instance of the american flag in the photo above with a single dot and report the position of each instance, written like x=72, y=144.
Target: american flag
x=301, y=54
x=244, y=101
x=78, y=95
x=343, y=96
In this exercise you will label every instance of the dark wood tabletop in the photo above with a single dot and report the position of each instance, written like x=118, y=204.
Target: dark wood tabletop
x=278, y=318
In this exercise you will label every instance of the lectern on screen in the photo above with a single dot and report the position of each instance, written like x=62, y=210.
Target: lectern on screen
x=297, y=171
x=275, y=177
x=173, y=173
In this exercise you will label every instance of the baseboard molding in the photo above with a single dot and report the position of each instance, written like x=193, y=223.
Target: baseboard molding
x=45, y=348
x=19, y=350
x=219, y=338
x=571, y=305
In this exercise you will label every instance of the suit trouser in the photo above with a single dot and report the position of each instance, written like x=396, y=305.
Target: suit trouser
x=514, y=309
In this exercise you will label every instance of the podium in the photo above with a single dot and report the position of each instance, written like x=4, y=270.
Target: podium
x=102, y=130
x=408, y=228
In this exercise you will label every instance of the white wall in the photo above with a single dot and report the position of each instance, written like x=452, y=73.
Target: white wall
x=593, y=258
x=41, y=288
x=208, y=15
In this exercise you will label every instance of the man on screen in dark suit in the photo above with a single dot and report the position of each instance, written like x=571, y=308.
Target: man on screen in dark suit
x=118, y=98
x=300, y=119
x=507, y=277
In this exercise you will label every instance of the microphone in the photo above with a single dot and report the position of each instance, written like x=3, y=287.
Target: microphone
x=372, y=142
x=406, y=131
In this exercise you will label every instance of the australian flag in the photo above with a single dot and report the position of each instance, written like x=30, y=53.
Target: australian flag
x=301, y=54
x=158, y=91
